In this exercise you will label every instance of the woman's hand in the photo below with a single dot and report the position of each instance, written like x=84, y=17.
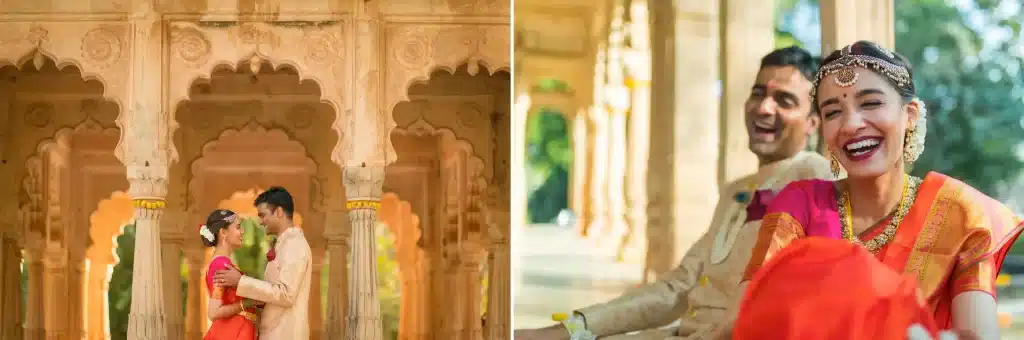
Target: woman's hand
x=918, y=332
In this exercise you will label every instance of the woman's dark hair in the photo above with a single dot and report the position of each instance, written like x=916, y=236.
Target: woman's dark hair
x=867, y=48
x=218, y=219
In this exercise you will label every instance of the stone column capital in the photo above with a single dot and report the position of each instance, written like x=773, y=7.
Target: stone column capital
x=148, y=181
x=363, y=182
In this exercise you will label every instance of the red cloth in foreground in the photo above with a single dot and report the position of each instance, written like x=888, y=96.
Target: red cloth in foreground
x=820, y=288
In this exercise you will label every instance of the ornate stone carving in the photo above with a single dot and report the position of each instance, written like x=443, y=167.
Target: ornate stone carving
x=37, y=35
x=301, y=116
x=39, y=114
x=420, y=49
x=190, y=45
x=321, y=46
x=412, y=49
x=255, y=36
x=469, y=116
x=102, y=46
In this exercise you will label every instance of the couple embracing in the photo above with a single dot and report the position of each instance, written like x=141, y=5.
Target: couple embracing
x=245, y=308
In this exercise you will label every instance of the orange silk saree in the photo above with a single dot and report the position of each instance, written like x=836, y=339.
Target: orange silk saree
x=824, y=288
x=952, y=240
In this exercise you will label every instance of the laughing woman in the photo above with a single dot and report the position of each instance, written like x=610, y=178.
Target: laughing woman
x=947, y=235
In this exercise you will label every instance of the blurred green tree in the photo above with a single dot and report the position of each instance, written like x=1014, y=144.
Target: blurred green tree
x=549, y=160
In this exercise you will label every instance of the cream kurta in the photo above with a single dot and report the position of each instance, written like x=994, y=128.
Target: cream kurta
x=702, y=288
x=285, y=289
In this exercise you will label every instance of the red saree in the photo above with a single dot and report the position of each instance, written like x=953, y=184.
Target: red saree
x=952, y=240
x=779, y=298
x=241, y=326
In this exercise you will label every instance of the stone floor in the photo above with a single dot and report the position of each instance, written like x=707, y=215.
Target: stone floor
x=557, y=271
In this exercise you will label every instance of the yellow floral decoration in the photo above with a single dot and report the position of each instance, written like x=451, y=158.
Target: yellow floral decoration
x=362, y=204
x=149, y=203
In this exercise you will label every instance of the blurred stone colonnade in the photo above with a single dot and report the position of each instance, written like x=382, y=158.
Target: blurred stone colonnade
x=653, y=92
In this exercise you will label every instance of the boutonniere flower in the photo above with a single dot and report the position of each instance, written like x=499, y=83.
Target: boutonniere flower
x=759, y=205
x=271, y=254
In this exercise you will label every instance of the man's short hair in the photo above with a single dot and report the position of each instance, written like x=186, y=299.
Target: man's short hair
x=794, y=56
x=277, y=197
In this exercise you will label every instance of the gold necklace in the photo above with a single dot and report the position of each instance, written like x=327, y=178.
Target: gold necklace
x=910, y=185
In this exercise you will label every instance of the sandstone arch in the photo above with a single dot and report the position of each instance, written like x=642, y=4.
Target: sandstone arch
x=397, y=215
x=98, y=49
x=106, y=224
x=417, y=51
x=255, y=139
x=196, y=50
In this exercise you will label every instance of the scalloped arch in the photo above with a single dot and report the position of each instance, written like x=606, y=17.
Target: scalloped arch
x=450, y=142
x=103, y=233
x=423, y=75
x=394, y=201
x=204, y=73
x=256, y=129
x=62, y=63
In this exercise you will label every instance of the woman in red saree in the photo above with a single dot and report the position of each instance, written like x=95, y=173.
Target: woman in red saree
x=234, y=317
x=948, y=236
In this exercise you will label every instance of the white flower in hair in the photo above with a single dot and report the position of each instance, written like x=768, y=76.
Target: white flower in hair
x=206, y=233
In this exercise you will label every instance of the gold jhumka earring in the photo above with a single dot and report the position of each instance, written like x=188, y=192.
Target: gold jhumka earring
x=909, y=148
x=833, y=163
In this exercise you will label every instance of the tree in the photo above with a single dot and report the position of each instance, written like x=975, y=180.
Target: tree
x=549, y=159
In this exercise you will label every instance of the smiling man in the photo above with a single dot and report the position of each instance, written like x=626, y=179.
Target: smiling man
x=779, y=118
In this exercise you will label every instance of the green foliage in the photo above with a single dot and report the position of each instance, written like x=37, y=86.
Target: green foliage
x=119, y=296
x=549, y=160
x=552, y=85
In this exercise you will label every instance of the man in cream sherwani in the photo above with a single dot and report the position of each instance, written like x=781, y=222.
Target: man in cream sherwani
x=698, y=293
x=285, y=285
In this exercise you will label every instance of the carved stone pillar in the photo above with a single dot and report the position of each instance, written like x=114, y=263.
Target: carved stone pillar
x=194, y=307
x=452, y=291
x=146, y=320
x=363, y=186
x=10, y=274
x=747, y=35
x=600, y=129
x=316, y=317
x=498, y=288
x=844, y=22
x=35, y=312
x=172, y=237
x=337, y=233
x=55, y=290
x=638, y=66
x=520, y=113
x=97, y=297
x=144, y=152
x=617, y=101
x=474, y=255
x=76, y=283
x=581, y=153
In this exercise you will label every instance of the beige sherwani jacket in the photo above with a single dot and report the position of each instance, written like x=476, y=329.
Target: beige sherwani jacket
x=703, y=287
x=285, y=289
